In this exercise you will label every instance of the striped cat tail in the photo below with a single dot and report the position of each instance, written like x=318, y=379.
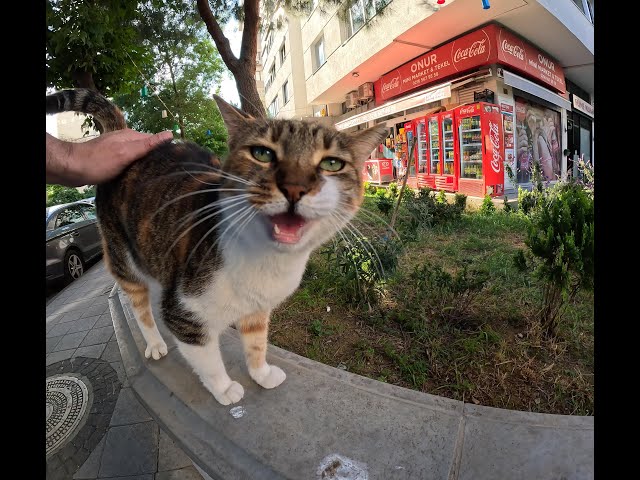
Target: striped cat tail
x=108, y=115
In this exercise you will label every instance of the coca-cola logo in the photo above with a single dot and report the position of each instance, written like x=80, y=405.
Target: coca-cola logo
x=494, y=137
x=467, y=110
x=391, y=84
x=515, y=50
x=476, y=48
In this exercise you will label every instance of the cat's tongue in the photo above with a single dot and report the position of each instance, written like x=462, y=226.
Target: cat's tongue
x=286, y=227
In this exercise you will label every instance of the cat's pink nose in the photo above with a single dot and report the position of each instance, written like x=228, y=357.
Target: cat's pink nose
x=293, y=193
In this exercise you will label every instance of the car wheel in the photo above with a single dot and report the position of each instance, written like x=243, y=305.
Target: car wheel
x=73, y=265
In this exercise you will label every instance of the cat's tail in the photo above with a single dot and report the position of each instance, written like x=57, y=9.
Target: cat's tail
x=108, y=115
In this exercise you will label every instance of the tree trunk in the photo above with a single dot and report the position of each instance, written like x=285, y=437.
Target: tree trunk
x=243, y=68
x=175, y=90
x=248, y=92
x=83, y=79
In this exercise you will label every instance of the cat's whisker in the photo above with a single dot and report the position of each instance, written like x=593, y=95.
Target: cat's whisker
x=198, y=192
x=357, y=234
x=242, y=218
x=212, y=229
x=193, y=225
x=372, y=215
x=213, y=206
x=223, y=173
x=241, y=227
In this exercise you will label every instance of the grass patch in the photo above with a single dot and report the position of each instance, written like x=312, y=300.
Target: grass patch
x=489, y=352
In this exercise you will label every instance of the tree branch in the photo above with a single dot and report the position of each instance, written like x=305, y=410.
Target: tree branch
x=249, y=47
x=222, y=43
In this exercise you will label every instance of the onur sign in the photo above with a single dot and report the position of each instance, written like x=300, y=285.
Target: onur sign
x=485, y=46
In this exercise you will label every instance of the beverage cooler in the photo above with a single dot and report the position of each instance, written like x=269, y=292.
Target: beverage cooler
x=480, y=169
x=435, y=158
x=406, y=161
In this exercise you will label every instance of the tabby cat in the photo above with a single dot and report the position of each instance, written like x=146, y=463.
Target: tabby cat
x=227, y=242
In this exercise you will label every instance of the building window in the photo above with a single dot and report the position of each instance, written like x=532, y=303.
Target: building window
x=268, y=41
x=586, y=7
x=361, y=12
x=271, y=76
x=285, y=92
x=283, y=54
x=273, y=108
x=318, y=53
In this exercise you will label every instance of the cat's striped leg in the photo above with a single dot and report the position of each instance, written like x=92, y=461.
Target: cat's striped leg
x=254, y=329
x=138, y=293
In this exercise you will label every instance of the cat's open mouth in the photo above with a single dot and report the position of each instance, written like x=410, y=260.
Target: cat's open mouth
x=287, y=227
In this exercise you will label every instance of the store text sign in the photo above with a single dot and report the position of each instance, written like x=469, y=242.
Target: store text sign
x=580, y=104
x=491, y=44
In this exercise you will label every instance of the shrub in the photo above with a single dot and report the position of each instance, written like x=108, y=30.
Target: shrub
x=57, y=194
x=442, y=197
x=460, y=202
x=393, y=190
x=384, y=204
x=425, y=210
x=560, y=248
x=487, y=208
x=447, y=296
x=360, y=266
x=370, y=189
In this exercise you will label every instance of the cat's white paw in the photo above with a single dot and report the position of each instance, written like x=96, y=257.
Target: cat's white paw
x=268, y=376
x=232, y=394
x=156, y=349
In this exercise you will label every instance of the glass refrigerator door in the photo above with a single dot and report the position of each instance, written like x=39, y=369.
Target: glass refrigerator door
x=447, y=139
x=434, y=146
x=422, y=147
x=470, y=148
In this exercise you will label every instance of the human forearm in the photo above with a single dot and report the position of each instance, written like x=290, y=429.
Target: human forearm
x=60, y=167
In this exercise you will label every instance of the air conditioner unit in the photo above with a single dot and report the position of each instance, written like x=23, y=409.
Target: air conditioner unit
x=365, y=91
x=352, y=99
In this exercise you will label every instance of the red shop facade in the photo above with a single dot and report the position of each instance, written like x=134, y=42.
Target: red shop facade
x=481, y=104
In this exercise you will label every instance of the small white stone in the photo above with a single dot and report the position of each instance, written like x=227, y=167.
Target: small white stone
x=237, y=412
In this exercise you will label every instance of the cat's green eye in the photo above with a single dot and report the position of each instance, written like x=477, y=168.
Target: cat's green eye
x=263, y=154
x=331, y=164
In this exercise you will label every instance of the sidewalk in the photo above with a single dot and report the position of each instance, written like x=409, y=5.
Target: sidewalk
x=96, y=427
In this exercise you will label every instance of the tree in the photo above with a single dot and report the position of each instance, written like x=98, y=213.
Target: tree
x=93, y=44
x=187, y=69
x=57, y=194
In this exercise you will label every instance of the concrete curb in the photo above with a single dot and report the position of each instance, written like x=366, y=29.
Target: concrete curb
x=327, y=423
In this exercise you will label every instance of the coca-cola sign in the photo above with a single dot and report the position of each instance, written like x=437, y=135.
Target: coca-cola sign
x=488, y=45
x=494, y=138
x=516, y=50
x=468, y=110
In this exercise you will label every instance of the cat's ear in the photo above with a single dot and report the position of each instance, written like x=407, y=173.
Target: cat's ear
x=364, y=141
x=234, y=118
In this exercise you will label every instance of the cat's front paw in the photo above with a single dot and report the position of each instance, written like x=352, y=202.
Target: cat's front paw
x=156, y=349
x=268, y=376
x=232, y=394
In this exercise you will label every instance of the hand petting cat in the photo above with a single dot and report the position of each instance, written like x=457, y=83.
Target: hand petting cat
x=98, y=160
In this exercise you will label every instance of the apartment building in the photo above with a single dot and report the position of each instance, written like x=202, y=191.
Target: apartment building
x=401, y=62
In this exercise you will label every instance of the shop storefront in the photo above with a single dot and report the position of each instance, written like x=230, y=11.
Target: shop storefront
x=579, y=133
x=512, y=118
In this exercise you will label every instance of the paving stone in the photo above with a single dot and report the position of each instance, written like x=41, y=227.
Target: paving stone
x=122, y=375
x=187, y=473
x=104, y=321
x=58, y=356
x=92, y=351
x=51, y=343
x=58, y=330
x=71, y=340
x=170, y=456
x=101, y=300
x=130, y=450
x=89, y=469
x=129, y=410
x=112, y=353
x=95, y=310
x=97, y=335
x=134, y=477
x=82, y=324
x=71, y=316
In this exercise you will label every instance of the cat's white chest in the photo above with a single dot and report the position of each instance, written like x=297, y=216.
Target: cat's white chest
x=248, y=284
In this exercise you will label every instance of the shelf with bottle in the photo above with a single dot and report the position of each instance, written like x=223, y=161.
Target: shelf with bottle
x=471, y=145
x=470, y=123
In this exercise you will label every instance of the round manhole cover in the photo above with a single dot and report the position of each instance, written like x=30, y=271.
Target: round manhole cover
x=67, y=404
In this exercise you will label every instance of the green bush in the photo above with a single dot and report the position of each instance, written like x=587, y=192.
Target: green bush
x=358, y=268
x=424, y=210
x=57, y=194
x=394, y=190
x=370, y=189
x=560, y=248
x=442, y=197
x=487, y=208
x=460, y=203
x=444, y=295
x=384, y=204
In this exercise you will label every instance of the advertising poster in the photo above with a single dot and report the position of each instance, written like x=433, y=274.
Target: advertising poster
x=537, y=139
x=506, y=110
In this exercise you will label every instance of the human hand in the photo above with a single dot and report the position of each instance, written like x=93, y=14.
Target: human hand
x=100, y=159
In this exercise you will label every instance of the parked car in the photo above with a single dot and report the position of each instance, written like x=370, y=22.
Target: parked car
x=73, y=239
